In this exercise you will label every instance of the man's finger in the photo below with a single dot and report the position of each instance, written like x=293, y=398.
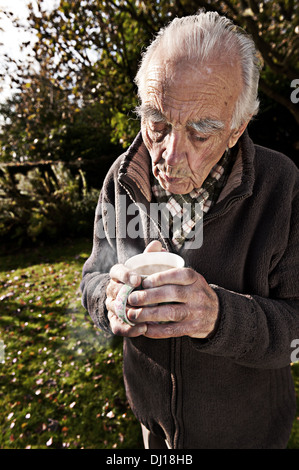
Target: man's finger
x=166, y=330
x=119, y=328
x=155, y=245
x=157, y=295
x=160, y=313
x=121, y=273
x=181, y=276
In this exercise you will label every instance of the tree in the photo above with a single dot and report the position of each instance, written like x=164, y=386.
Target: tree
x=89, y=50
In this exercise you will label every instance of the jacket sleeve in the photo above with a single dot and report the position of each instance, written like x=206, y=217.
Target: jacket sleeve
x=95, y=276
x=255, y=331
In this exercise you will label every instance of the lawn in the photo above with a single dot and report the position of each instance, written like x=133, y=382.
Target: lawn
x=61, y=378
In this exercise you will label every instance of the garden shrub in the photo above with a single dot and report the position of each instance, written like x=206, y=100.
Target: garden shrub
x=45, y=206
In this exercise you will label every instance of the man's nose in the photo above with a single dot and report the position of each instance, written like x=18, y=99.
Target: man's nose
x=175, y=149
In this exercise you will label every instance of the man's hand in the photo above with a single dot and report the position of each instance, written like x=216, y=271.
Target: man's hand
x=120, y=275
x=193, y=314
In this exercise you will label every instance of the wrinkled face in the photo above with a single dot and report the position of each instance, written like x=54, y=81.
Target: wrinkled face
x=186, y=120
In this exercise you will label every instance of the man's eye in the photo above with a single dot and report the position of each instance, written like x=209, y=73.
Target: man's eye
x=159, y=129
x=198, y=138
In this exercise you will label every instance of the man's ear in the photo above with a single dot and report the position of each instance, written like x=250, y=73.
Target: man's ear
x=236, y=134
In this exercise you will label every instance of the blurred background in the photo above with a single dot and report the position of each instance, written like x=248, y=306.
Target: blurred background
x=68, y=97
x=67, y=100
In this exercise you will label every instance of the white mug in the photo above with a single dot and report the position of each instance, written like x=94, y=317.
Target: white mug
x=145, y=264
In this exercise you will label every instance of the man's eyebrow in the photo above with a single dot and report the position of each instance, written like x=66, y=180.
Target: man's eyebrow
x=148, y=112
x=207, y=126
x=204, y=126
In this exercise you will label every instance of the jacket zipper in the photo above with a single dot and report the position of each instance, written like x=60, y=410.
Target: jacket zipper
x=175, y=345
x=157, y=225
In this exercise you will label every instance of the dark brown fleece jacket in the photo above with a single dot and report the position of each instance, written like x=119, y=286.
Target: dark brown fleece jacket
x=233, y=389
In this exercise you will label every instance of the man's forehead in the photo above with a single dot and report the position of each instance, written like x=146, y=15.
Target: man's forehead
x=187, y=92
x=173, y=71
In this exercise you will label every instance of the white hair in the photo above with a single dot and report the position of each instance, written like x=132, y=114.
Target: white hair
x=201, y=38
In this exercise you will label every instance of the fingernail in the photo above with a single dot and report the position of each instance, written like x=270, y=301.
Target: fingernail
x=132, y=315
x=147, y=283
x=133, y=298
x=133, y=279
x=143, y=329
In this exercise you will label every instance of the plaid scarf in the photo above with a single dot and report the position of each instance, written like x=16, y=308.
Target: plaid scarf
x=185, y=206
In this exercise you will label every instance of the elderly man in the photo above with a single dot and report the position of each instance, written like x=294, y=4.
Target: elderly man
x=210, y=367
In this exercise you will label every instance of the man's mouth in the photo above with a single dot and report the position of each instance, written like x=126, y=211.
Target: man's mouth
x=170, y=179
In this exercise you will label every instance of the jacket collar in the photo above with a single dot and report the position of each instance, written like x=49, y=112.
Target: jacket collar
x=135, y=171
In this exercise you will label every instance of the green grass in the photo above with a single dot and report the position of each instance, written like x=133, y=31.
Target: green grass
x=61, y=379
